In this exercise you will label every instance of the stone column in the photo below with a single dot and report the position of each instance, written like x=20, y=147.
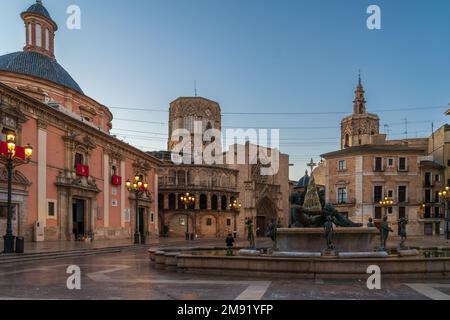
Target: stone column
x=197, y=202
x=42, y=174
x=106, y=177
x=208, y=201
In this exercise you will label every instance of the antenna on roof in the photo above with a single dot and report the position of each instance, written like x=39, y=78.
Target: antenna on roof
x=195, y=87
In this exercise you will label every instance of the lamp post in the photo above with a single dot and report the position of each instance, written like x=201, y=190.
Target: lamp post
x=187, y=199
x=139, y=188
x=385, y=203
x=444, y=195
x=235, y=206
x=12, y=161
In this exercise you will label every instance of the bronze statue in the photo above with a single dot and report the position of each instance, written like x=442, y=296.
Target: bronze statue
x=402, y=222
x=272, y=231
x=370, y=223
x=229, y=241
x=329, y=232
x=250, y=236
x=339, y=219
x=385, y=229
x=302, y=218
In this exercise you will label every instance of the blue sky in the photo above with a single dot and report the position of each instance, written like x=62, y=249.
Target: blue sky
x=255, y=56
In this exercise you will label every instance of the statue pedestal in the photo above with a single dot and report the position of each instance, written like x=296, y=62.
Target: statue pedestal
x=313, y=239
x=329, y=253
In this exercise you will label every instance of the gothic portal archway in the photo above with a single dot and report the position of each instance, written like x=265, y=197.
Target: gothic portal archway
x=265, y=211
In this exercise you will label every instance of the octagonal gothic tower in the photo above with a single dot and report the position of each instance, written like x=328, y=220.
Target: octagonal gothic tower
x=195, y=114
x=360, y=127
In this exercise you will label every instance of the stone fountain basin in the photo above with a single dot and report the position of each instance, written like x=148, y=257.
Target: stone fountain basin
x=203, y=262
x=313, y=239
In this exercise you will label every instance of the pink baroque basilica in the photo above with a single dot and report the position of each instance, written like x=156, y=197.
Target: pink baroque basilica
x=74, y=187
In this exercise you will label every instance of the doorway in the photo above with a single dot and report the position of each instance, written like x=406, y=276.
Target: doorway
x=141, y=221
x=265, y=212
x=78, y=218
x=260, y=226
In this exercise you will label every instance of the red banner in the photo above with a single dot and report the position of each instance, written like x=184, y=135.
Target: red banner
x=116, y=180
x=82, y=170
x=20, y=151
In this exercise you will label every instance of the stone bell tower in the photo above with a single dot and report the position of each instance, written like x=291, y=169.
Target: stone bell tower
x=359, y=128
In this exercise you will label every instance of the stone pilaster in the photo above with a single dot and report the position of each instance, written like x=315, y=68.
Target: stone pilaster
x=42, y=173
x=106, y=187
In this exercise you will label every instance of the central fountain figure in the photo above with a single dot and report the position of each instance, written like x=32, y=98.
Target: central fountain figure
x=311, y=214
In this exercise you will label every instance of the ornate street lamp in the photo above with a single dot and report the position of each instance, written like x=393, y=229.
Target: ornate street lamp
x=139, y=188
x=444, y=195
x=13, y=159
x=235, y=206
x=187, y=199
x=386, y=203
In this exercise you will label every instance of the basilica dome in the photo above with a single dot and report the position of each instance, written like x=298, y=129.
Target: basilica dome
x=38, y=65
x=38, y=58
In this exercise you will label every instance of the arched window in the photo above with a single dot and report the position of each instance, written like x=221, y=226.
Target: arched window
x=172, y=201
x=172, y=177
x=47, y=39
x=347, y=140
x=361, y=108
x=203, y=202
x=38, y=35
x=79, y=159
x=189, y=178
x=181, y=177
x=214, y=202
x=224, y=203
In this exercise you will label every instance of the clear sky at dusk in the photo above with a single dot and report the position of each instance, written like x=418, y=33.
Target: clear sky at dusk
x=255, y=56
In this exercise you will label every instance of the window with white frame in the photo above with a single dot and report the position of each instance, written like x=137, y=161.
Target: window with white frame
x=342, y=165
x=342, y=195
x=390, y=194
x=38, y=35
x=51, y=209
x=47, y=39
x=402, y=164
x=390, y=162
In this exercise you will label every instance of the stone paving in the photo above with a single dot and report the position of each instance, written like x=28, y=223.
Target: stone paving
x=129, y=275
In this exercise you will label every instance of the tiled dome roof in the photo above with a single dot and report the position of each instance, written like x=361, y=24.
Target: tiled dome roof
x=303, y=182
x=38, y=8
x=38, y=65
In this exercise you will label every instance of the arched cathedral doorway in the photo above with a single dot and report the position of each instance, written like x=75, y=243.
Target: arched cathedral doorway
x=265, y=212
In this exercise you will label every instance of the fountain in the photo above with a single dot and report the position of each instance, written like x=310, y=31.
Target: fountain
x=320, y=243
x=306, y=233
